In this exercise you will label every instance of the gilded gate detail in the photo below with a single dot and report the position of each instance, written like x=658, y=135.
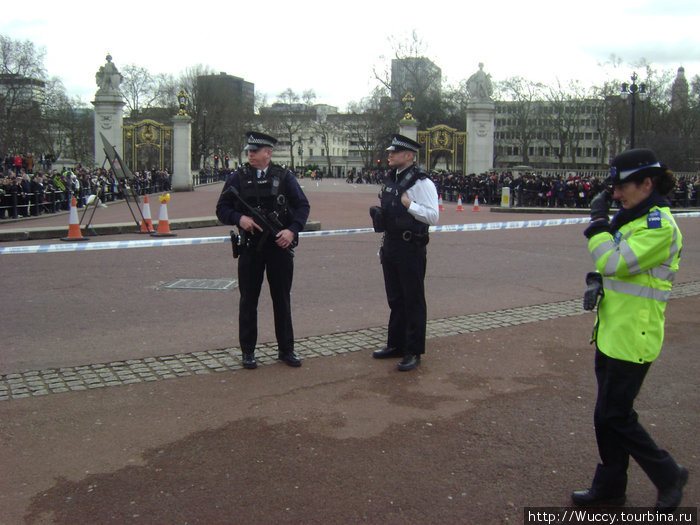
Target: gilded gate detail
x=148, y=145
x=442, y=142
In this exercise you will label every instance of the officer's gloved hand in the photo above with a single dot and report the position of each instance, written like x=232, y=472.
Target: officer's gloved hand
x=600, y=206
x=594, y=291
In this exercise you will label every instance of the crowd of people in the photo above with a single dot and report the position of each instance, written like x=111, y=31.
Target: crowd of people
x=544, y=191
x=530, y=189
x=28, y=192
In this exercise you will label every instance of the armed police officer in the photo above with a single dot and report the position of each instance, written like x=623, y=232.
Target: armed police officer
x=409, y=204
x=636, y=255
x=269, y=207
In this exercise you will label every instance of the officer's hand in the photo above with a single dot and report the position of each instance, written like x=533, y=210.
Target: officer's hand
x=405, y=200
x=248, y=224
x=600, y=206
x=285, y=238
x=593, y=292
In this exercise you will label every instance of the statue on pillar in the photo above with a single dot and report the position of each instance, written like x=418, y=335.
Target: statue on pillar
x=108, y=78
x=479, y=86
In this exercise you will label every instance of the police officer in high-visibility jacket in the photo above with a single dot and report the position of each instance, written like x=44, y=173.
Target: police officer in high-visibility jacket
x=636, y=255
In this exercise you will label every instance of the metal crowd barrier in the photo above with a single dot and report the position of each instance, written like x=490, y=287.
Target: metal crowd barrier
x=16, y=205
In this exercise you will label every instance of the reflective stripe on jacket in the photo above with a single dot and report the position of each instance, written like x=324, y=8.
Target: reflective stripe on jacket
x=638, y=264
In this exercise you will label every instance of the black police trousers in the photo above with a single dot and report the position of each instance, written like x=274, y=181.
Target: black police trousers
x=403, y=265
x=618, y=432
x=278, y=265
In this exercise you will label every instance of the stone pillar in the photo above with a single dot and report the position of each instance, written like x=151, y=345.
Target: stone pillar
x=480, y=128
x=108, y=110
x=182, y=152
x=108, y=121
x=409, y=128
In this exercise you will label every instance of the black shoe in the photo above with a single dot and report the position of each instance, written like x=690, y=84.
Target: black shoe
x=386, y=352
x=290, y=358
x=591, y=498
x=669, y=498
x=249, y=361
x=409, y=362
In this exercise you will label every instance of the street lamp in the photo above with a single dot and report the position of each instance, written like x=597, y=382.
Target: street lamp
x=632, y=91
x=204, y=139
x=301, y=152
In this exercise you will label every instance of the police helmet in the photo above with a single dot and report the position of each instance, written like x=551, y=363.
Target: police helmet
x=634, y=164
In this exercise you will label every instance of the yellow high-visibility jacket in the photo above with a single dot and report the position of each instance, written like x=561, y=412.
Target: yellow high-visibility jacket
x=638, y=263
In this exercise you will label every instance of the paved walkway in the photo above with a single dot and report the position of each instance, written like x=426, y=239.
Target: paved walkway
x=159, y=425
x=119, y=373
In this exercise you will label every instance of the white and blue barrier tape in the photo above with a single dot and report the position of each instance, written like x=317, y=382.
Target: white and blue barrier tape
x=153, y=243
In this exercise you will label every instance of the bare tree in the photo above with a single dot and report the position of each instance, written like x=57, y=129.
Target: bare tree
x=328, y=129
x=287, y=117
x=560, y=120
x=454, y=104
x=411, y=71
x=369, y=126
x=195, y=109
x=523, y=96
x=137, y=88
x=21, y=70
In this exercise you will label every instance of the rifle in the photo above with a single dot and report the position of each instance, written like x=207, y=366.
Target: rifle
x=270, y=223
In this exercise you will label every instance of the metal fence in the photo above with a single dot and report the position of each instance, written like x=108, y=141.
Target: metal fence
x=18, y=204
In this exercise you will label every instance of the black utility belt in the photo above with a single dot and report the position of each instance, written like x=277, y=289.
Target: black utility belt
x=408, y=236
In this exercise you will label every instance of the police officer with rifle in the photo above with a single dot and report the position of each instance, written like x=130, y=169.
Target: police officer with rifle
x=268, y=206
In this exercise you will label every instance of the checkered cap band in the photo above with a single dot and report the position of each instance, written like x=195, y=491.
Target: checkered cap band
x=257, y=141
x=401, y=142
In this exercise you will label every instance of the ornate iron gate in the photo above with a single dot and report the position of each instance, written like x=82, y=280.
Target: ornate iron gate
x=443, y=141
x=148, y=145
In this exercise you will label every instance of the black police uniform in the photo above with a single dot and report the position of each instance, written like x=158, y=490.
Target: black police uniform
x=403, y=257
x=276, y=191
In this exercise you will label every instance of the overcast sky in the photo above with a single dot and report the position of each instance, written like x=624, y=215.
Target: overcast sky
x=333, y=47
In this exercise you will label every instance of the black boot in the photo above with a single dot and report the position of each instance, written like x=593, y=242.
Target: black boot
x=593, y=498
x=386, y=352
x=290, y=358
x=249, y=360
x=669, y=498
x=409, y=362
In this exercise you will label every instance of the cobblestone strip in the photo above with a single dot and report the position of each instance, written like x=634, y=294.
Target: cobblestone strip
x=117, y=373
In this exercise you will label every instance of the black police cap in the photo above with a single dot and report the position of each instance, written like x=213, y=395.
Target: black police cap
x=402, y=143
x=256, y=140
x=635, y=164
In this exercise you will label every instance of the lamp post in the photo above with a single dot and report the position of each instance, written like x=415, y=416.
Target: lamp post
x=632, y=91
x=204, y=139
x=301, y=153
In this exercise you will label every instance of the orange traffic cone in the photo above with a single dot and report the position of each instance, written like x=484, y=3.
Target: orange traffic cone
x=73, y=224
x=163, y=225
x=476, y=203
x=441, y=207
x=147, y=223
x=459, y=204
